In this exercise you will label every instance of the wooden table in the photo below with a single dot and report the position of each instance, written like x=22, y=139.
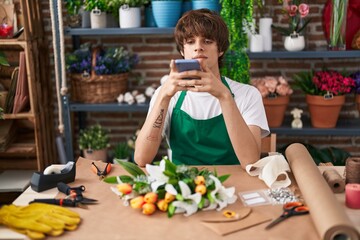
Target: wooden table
x=110, y=219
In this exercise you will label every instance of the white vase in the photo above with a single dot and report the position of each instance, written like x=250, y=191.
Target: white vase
x=98, y=18
x=256, y=43
x=129, y=17
x=266, y=32
x=294, y=43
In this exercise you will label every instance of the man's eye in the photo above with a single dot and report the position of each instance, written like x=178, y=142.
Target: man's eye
x=207, y=41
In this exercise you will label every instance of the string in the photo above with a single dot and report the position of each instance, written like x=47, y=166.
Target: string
x=352, y=170
x=335, y=181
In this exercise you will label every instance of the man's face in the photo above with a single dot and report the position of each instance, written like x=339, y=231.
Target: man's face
x=202, y=49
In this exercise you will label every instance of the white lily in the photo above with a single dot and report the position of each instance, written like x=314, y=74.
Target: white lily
x=191, y=201
x=222, y=196
x=156, y=175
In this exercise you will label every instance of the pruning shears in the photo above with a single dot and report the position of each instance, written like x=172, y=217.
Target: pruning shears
x=100, y=173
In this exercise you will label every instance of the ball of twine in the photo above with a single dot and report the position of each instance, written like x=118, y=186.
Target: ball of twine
x=352, y=170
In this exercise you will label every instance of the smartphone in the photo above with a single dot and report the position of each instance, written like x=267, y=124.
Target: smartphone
x=187, y=64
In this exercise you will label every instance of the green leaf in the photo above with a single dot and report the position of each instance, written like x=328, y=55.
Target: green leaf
x=211, y=199
x=131, y=168
x=170, y=167
x=201, y=203
x=171, y=210
x=223, y=178
x=169, y=173
x=123, y=178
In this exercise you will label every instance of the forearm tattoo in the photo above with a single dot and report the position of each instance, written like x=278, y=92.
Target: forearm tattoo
x=154, y=135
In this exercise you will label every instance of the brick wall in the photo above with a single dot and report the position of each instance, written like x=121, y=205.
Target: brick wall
x=156, y=51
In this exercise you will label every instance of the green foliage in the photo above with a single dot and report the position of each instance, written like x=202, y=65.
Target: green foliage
x=3, y=60
x=131, y=3
x=94, y=137
x=237, y=14
x=333, y=155
x=73, y=6
x=99, y=4
x=122, y=150
x=131, y=168
x=304, y=82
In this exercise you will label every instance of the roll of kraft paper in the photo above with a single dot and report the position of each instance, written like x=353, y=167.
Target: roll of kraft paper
x=334, y=180
x=328, y=216
x=352, y=195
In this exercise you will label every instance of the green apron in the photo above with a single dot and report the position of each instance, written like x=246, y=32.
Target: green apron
x=200, y=142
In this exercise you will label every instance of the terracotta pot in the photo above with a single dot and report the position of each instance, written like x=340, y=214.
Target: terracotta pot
x=357, y=100
x=324, y=113
x=96, y=155
x=275, y=109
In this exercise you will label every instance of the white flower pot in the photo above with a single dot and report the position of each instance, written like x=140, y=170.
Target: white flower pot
x=256, y=43
x=266, y=33
x=294, y=43
x=97, y=18
x=129, y=17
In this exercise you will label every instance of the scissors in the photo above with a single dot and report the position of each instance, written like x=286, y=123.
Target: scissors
x=100, y=173
x=290, y=209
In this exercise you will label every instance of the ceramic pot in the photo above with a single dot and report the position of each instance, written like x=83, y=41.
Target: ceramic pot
x=357, y=100
x=98, y=19
x=275, y=110
x=166, y=13
x=129, y=17
x=209, y=4
x=294, y=43
x=256, y=43
x=324, y=112
x=96, y=155
x=266, y=33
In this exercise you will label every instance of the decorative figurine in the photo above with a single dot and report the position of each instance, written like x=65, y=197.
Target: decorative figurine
x=296, y=123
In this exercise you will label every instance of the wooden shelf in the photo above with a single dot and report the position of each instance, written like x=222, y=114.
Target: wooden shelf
x=19, y=115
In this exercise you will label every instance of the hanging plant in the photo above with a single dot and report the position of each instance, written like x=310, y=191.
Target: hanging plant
x=236, y=60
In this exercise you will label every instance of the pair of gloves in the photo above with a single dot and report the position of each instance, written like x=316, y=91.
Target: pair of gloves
x=39, y=219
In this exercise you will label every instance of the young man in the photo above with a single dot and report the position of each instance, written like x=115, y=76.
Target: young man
x=207, y=119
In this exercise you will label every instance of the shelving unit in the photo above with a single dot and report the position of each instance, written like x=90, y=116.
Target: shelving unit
x=344, y=127
x=33, y=147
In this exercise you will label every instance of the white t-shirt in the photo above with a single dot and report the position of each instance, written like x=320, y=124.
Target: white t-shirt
x=202, y=105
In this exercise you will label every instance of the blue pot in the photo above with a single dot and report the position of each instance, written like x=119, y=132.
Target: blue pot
x=186, y=6
x=149, y=17
x=209, y=4
x=166, y=13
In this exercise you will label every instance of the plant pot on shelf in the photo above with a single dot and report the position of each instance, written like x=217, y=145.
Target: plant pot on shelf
x=275, y=108
x=96, y=155
x=98, y=18
x=213, y=5
x=166, y=13
x=357, y=101
x=324, y=111
x=294, y=43
x=129, y=17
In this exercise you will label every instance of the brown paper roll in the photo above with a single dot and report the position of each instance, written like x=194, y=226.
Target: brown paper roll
x=328, y=216
x=334, y=180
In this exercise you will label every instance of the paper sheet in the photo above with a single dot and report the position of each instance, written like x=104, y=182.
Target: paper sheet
x=328, y=216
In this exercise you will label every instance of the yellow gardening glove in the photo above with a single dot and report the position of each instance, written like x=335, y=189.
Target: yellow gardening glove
x=39, y=219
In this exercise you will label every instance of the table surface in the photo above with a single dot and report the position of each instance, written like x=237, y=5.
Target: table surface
x=110, y=219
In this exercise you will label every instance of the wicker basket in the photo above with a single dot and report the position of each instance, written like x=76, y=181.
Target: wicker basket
x=94, y=88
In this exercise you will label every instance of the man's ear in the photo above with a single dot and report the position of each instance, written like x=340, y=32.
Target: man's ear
x=182, y=54
x=220, y=54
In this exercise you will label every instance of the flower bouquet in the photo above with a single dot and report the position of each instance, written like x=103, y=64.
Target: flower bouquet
x=171, y=188
x=275, y=92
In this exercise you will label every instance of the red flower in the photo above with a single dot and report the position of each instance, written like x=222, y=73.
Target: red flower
x=333, y=82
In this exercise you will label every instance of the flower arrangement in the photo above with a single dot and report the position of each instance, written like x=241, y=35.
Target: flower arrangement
x=94, y=137
x=356, y=77
x=112, y=60
x=271, y=86
x=171, y=188
x=325, y=82
x=295, y=12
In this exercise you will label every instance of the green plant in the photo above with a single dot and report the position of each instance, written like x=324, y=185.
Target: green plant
x=122, y=151
x=3, y=62
x=338, y=23
x=236, y=60
x=73, y=6
x=94, y=137
x=131, y=3
x=99, y=4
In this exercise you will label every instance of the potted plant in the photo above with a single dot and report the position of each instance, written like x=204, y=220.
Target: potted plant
x=98, y=9
x=129, y=12
x=122, y=152
x=356, y=77
x=295, y=12
x=73, y=7
x=166, y=12
x=101, y=72
x=94, y=142
x=325, y=94
x=276, y=94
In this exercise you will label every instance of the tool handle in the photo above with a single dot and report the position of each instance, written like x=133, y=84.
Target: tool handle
x=60, y=202
x=64, y=188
